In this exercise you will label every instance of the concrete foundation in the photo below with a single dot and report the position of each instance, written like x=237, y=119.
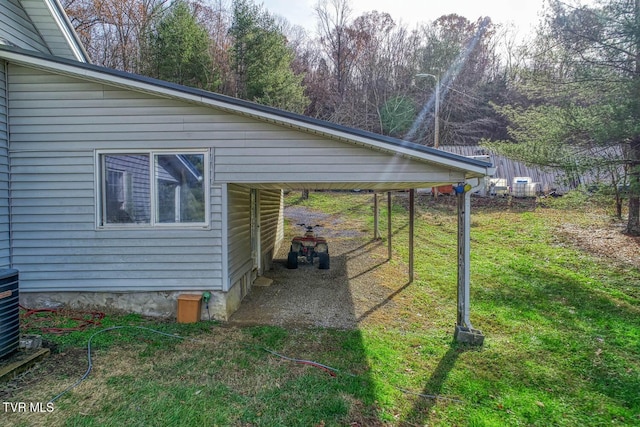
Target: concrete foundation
x=468, y=336
x=262, y=281
x=154, y=304
x=30, y=342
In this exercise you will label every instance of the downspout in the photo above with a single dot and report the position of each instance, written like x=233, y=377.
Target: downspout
x=5, y=93
x=412, y=215
x=464, y=332
x=389, y=229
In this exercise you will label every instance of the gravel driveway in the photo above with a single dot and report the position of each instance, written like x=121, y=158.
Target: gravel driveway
x=360, y=286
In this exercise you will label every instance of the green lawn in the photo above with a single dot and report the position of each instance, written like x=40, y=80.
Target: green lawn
x=562, y=343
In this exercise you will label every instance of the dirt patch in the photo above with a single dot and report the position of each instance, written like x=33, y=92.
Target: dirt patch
x=604, y=240
x=68, y=364
x=330, y=225
x=361, y=285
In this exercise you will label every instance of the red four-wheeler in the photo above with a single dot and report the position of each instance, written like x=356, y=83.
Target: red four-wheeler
x=309, y=246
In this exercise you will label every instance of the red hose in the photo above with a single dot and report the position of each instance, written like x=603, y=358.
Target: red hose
x=331, y=371
x=316, y=365
x=85, y=319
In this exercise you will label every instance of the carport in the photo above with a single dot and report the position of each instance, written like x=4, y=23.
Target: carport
x=303, y=153
x=464, y=331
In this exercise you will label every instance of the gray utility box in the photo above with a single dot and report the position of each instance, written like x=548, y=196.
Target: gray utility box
x=9, y=312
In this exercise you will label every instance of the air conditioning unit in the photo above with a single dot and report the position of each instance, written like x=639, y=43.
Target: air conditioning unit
x=9, y=312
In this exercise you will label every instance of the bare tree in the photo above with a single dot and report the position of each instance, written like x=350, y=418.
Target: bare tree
x=336, y=41
x=216, y=17
x=458, y=53
x=112, y=30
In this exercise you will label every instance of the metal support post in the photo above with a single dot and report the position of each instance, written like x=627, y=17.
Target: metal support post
x=376, y=221
x=412, y=214
x=464, y=330
x=389, y=231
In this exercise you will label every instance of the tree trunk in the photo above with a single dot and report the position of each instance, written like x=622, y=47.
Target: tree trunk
x=633, y=223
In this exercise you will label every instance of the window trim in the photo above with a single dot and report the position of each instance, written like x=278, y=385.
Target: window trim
x=100, y=190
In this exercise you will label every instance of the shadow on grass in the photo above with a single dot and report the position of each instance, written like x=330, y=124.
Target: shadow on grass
x=420, y=413
x=384, y=302
x=316, y=310
x=369, y=270
x=311, y=377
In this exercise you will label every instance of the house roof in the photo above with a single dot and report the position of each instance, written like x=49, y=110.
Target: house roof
x=52, y=24
x=472, y=168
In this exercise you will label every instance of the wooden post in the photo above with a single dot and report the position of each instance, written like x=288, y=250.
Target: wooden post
x=389, y=225
x=412, y=214
x=376, y=221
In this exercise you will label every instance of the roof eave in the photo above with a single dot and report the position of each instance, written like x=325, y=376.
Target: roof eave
x=473, y=168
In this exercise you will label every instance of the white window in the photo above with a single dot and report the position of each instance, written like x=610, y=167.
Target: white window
x=153, y=188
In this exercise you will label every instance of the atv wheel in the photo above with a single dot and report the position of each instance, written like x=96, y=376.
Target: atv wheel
x=292, y=260
x=323, y=261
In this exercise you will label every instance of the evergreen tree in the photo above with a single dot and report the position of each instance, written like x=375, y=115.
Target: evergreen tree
x=178, y=50
x=263, y=61
x=585, y=92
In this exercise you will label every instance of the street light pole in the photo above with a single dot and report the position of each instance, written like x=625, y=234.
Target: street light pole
x=436, y=128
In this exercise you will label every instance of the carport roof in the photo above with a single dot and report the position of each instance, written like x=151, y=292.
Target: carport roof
x=472, y=168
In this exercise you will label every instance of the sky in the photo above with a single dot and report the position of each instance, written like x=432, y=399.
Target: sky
x=524, y=14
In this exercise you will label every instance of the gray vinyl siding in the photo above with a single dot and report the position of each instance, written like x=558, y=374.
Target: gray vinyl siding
x=5, y=258
x=71, y=111
x=56, y=245
x=17, y=28
x=271, y=224
x=239, y=232
x=287, y=156
x=56, y=125
x=47, y=26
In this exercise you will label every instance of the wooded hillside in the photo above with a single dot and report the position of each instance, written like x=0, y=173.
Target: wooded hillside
x=566, y=97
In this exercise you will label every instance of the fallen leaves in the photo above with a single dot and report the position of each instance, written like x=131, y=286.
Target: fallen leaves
x=605, y=240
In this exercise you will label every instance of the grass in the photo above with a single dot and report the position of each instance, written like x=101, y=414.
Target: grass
x=562, y=343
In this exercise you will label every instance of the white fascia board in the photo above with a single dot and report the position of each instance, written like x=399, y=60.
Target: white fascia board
x=472, y=171
x=61, y=20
